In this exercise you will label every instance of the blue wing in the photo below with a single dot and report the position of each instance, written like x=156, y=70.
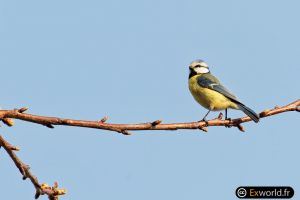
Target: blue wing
x=210, y=82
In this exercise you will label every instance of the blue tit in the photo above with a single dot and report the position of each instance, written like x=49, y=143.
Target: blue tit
x=211, y=94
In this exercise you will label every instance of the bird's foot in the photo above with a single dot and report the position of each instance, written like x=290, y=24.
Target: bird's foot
x=204, y=120
x=228, y=126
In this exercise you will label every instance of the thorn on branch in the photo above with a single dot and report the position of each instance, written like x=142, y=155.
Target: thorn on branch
x=15, y=148
x=264, y=113
x=125, y=132
x=37, y=194
x=220, y=116
x=240, y=127
x=24, y=170
x=21, y=110
x=203, y=128
x=11, y=147
x=156, y=122
x=49, y=125
x=104, y=119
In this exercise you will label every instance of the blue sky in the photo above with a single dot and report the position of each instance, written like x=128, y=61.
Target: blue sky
x=129, y=60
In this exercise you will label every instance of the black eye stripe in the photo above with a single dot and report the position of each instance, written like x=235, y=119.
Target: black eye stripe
x=198, y=66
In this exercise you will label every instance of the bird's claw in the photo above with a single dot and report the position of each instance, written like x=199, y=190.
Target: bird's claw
x=204, y=120
x=228, y=126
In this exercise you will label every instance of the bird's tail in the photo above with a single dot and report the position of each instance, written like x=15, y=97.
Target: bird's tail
x=249, y=112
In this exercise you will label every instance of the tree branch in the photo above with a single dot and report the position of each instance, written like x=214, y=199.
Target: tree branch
x=53, y=193
x=50, y=122
x=41, y=189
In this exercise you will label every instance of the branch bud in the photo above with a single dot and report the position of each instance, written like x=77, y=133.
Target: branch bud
x=8, y=121
x=21, y=110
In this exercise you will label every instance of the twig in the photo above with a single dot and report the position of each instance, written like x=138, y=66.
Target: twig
x=156, y=125
x=41, y=189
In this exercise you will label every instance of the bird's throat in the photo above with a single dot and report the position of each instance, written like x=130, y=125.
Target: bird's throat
x=192, y=73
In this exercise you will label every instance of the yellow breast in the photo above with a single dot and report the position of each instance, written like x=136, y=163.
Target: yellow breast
x=208, y=98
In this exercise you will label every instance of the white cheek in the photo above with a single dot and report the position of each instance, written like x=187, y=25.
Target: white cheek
x=201, y=70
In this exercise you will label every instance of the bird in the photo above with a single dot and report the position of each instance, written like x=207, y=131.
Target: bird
x=208, y=91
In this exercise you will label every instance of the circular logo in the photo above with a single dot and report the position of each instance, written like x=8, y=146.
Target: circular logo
x=241, y=192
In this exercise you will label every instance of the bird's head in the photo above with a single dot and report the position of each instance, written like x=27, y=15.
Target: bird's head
x=198, y=67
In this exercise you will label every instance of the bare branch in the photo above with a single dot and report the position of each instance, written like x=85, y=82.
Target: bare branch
x=54, y=192
x=41, y=189
x=156, y=125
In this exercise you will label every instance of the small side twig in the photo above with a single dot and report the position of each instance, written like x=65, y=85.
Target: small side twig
x=52, y=192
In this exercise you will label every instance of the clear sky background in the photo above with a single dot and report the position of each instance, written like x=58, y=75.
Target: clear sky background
x=129, y=60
